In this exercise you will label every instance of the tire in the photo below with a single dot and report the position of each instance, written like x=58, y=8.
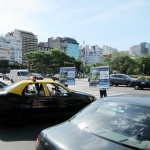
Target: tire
x=17, y=117
x=116, y=84
x=136, y=87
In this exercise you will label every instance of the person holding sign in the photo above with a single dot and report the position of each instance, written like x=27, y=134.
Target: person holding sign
x=104, y=81
x=103, y=92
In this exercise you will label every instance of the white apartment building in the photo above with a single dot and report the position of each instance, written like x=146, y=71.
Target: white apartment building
x=91, y=55
x=10, y=49
x=29, y=42
x=109, y=51
x=136, y=50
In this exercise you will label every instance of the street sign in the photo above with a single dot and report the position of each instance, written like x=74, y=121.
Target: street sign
x=67, y=75
x=99, y=77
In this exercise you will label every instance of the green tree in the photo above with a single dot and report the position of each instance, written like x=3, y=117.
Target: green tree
x=143, y=64
x=40, y=60
x=122, y=63
x=45, y=61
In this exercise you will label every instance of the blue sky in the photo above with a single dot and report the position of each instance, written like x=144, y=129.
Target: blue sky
x=116, y=23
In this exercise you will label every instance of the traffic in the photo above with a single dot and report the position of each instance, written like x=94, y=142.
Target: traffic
x=25, y=100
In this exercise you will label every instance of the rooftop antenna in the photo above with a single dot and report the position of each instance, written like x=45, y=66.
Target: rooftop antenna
x=83, y=42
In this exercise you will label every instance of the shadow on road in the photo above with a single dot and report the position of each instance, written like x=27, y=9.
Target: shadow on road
x=27, y=132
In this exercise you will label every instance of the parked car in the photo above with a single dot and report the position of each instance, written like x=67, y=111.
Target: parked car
x=16, y=75
x=141, y=82
x=120, y=79
x=48, y=75
x=6, y=76
x=118, y=123
x=40, y=98
x=55, y=77
x=38, y=76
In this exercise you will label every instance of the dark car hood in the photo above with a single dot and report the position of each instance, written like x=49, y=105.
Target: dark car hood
x=82, y=93
x=66, y=136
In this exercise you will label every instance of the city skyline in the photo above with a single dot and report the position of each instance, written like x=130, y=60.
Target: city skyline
x=118, y=24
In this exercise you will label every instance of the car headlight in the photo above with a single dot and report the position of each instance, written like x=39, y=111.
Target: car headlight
x=91, y=98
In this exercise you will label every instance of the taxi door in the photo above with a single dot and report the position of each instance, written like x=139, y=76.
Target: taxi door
x=58, y=99
x=38, y=100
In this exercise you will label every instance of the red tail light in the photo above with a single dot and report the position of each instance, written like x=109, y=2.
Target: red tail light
x=38, y=138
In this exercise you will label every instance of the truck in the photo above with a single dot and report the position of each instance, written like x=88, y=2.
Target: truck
x=18, y=75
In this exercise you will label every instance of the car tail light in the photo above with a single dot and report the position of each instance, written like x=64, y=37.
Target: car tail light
x=38, y=138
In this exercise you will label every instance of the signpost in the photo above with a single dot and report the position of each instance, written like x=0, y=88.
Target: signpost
x=99, y=77
x=67, y=75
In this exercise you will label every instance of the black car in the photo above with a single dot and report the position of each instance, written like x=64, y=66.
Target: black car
x=114, y=123
x=141, y=82
x=120, y=79
x=38, y=76
x=27, y=99
x=55, y=77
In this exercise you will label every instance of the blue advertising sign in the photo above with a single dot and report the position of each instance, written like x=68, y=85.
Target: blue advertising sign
x=99, y=77
x=67, y=75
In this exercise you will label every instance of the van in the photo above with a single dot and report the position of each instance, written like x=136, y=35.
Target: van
x=18, y=75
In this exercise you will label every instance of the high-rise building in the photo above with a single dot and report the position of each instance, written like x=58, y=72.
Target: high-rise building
x=10, y=49
x=91, y=55
x=145, y=48
x=141, y=49
x=67, y=45
x=109, y=52
x=28, y=40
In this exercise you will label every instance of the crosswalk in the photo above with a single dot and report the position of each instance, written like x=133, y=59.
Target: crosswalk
x=97, y=94
x=95, y=91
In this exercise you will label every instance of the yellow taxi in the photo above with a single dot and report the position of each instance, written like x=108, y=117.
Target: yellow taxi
x=37, y=98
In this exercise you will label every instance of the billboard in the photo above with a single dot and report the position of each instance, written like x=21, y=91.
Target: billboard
x=67, y=75
x=99, y=77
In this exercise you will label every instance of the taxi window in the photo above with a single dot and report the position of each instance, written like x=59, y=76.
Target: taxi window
x=34, y=89
x=56, y=90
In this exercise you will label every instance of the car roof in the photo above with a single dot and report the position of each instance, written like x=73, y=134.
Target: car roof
x=119, y=74
x=137, y=99
x=21, y=84
x=38, y=81
x=144, y=76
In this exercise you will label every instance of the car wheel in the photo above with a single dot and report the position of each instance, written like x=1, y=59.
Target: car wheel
x=17, y=117
x=136, y=87
x=116, y=84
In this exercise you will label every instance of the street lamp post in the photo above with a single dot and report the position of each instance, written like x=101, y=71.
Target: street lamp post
x=143, y=68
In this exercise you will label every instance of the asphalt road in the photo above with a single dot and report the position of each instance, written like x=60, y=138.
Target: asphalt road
x=24, y=137
x=83, y=85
